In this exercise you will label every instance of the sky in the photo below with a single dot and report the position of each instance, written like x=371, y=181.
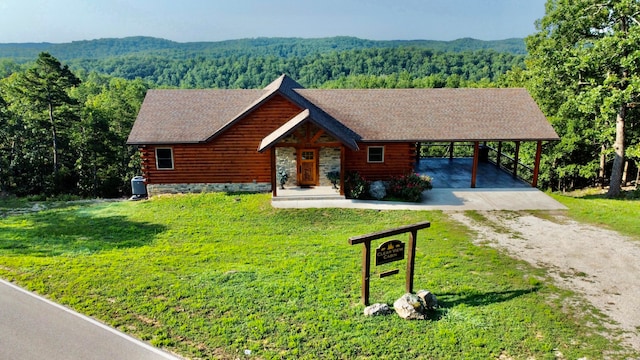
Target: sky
x=59, y=21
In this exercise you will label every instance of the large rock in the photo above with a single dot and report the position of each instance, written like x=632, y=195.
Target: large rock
x=377, y=309
x=409, y=307
x=377, y=190
x=428, y=299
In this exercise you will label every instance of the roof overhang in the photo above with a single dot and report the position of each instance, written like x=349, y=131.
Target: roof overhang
x=290, y=126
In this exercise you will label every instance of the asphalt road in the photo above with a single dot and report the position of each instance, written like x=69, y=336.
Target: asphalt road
x=32, y=327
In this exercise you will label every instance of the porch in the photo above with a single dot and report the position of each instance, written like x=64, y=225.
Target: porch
x=456, y=173
x=496, y=189
x=445, y=173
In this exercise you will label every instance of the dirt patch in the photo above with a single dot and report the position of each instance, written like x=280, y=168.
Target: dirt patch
x=601, y=264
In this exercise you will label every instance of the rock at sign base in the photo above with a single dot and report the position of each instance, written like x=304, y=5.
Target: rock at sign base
x=377, y=309
x=428, y=299
x=409, y=307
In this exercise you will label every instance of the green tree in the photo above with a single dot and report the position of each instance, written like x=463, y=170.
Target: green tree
x=584, y=66
x=104, y=162
x=44, y=89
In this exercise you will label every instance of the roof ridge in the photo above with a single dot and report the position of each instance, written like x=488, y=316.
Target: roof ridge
x=284, y=81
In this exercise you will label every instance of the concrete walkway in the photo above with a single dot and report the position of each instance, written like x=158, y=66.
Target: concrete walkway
x=441, y=199
x=32, y=327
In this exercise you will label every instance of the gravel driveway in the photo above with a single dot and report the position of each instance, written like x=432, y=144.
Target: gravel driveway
x=600, y=264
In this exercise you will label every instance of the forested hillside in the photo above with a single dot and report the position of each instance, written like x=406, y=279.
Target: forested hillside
x=253, y=63
x=278, y=47
x=424, y=68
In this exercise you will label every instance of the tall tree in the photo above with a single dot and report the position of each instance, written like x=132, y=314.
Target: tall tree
x=45, y=87
x=584, y=64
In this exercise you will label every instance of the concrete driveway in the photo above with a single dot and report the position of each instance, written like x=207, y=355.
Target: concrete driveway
x=32, y=327
x=514, y=199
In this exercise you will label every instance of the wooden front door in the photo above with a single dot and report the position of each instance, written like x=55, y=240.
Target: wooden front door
x=308, y=166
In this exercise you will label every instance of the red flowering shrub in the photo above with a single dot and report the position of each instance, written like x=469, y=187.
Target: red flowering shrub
x=409, y=187
x=356, y=187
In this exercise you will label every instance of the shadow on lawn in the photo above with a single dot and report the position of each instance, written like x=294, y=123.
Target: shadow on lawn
x=450, y=300
x=52, y=233
x=479, y=299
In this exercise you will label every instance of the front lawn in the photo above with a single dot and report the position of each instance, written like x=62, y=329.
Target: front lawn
x=622, y=215
x=228, y=276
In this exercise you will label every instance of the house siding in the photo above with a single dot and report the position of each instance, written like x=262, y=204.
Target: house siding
x=399, y=159
x=231, y=157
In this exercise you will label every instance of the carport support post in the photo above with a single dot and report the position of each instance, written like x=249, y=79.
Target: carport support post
x=499, y=156
x=536, y=166
x=474, y=168
x=516, y=159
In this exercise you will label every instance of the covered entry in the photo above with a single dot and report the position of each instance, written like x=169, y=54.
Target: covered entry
x=304, y=150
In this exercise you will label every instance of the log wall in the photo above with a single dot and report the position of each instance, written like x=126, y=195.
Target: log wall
x=399, y=159
x=231, y=157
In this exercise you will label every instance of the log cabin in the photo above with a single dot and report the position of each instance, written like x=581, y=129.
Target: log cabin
x=241, y=139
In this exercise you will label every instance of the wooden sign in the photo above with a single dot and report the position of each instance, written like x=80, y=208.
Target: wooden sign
x=366, y=253
x=390, y=251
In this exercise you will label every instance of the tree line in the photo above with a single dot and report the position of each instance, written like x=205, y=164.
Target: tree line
x=60, y=134
x=100, y=49
x=243, y=71
x=583, y=68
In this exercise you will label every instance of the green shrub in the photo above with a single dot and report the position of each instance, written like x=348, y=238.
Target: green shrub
x=409, y=187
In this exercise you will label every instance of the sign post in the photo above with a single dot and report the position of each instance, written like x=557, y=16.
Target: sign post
x=389, y=251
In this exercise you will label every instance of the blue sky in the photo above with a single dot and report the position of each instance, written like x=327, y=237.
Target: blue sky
x=213, y=20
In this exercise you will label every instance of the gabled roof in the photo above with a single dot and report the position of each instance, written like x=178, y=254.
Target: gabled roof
x=291, y=125
x=195, y=116
x=187, y=116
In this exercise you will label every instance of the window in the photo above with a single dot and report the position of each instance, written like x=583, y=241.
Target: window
x=164, y=158
x=375, y=154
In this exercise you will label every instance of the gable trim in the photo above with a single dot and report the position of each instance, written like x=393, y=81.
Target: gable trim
x=290, y=126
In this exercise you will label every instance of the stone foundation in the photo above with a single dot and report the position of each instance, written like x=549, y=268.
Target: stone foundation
x=159, y=189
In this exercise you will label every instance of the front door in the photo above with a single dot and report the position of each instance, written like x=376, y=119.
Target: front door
x=308, y=165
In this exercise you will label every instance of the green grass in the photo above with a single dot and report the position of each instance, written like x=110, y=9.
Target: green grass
x=622, y=215
x=209, y=276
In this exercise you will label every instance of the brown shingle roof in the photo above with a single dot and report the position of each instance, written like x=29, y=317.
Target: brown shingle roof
x=187, y=116
x=435, y=114
x=192, y=116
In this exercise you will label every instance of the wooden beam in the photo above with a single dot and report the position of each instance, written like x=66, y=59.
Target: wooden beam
x=451, y=145
x=499, y=156
x=316, y=136
x=474, y=168
x=536, y=165
x=386, y=233
x=411, y=259
x=342, y=167
x=366, y=270
x=274, y=185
